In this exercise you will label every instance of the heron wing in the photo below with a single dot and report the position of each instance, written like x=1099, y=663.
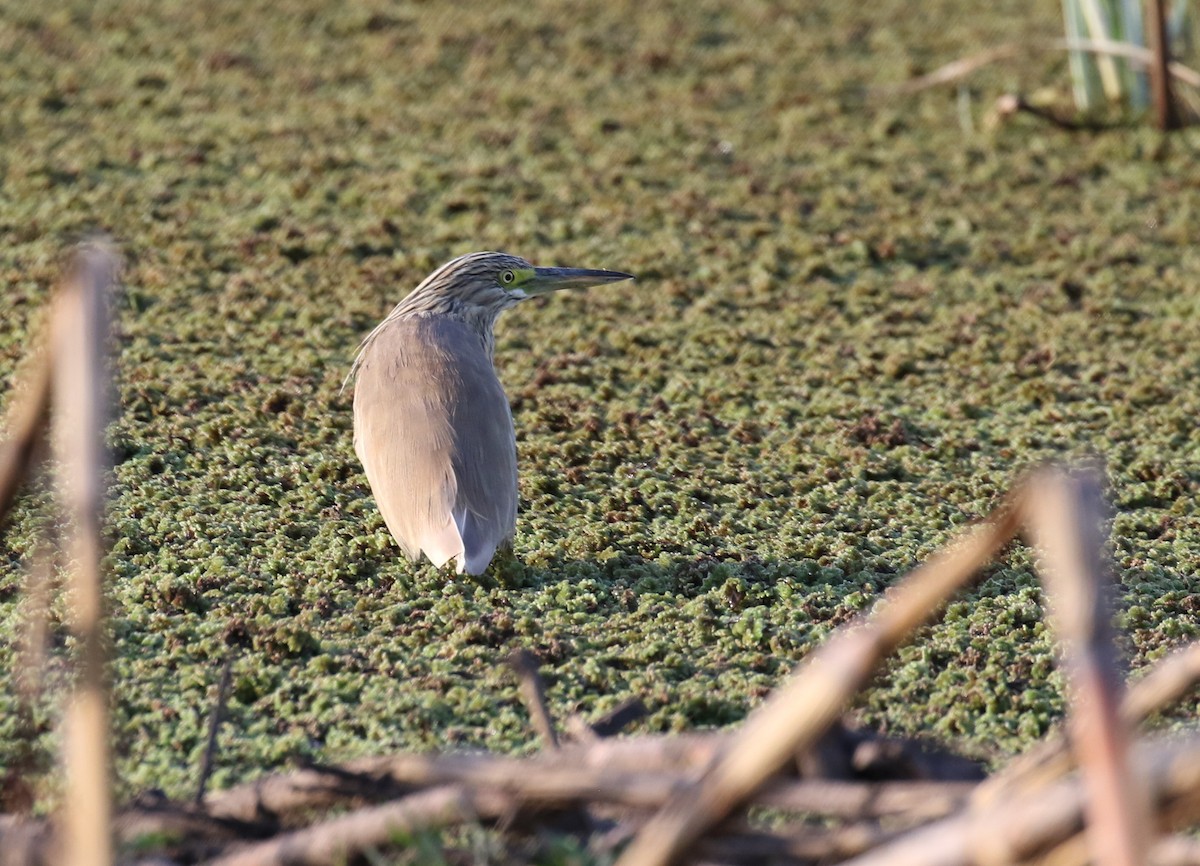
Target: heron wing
x=434, y=432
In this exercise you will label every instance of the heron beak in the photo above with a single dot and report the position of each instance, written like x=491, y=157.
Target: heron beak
x=546, y=280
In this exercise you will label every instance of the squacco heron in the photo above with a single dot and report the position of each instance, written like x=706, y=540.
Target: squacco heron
x=432, y=426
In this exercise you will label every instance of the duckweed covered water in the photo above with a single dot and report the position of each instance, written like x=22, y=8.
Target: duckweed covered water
x=856, y=322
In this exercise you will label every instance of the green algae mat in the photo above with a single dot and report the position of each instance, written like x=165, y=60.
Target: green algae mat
x=858, y=318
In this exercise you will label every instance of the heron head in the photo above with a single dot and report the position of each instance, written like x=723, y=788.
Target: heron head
x=493, y=282
x=477, y=287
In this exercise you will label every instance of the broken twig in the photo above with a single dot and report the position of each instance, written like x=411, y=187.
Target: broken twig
x=533, y=693
x=214, y=726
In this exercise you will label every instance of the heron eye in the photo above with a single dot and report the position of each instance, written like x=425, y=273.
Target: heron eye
x=507, y=277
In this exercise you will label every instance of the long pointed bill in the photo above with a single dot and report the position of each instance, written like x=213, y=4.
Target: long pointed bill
x=552, y=279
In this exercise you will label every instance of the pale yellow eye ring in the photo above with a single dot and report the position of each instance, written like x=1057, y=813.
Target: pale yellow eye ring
x=507, y=277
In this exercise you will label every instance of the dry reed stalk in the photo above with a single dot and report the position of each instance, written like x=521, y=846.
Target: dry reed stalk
x=801, y=710
x=562, y=779
x=290, y=792
x=1075, y=851
x=340, y=839
x=1165, y=683
x=181, y=824
x=809, y=846
x=1165, y=111
x=27, y=842
x=958, y=69
x=1139, y=55
x=1175, y=851
x=79, y=414
x=1065, y=519
x=579, y=731
x=444, y=804
x=1025, y=827
x=26, y=423
x=35, y=626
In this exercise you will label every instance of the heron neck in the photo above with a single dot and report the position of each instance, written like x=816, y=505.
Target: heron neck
x=481, y=320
